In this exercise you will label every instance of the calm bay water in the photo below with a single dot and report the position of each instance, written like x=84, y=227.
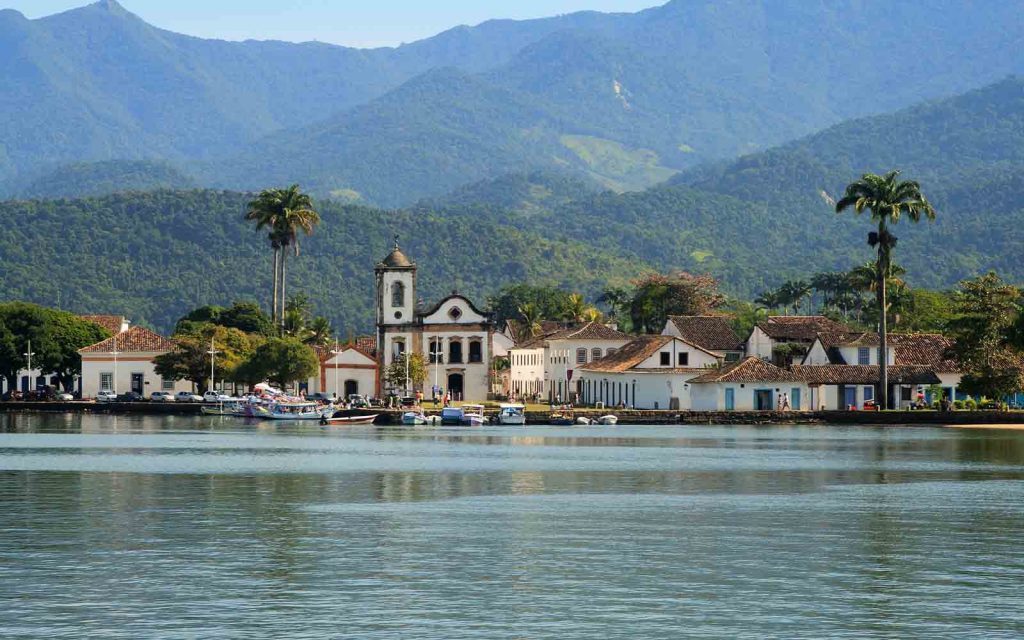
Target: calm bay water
x=176, y=527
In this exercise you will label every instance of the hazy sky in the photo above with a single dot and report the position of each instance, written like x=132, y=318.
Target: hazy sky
x=359, y=23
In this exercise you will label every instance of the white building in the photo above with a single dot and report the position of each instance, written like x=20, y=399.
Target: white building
x=796, y=333
x=124, y=363
x=547, y=364
x=348, y=371
x=751, y=384
x=649, y=372
x=455, y=338
x=711, y=333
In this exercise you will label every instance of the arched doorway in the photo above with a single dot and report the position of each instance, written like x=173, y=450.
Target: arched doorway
x=351, y=387
x=455, y=385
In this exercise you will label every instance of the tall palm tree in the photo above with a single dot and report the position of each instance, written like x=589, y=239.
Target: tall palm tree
x=296, y=214
x=770, y=299
x=265, y=210
x=531, y=326
x=888, y=199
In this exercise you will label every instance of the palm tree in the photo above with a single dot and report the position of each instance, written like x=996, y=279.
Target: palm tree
x=319, y=332
x=530, y=321
x=296, y=213
x=793, y=293
x=888, y=199
x=576, y=307
x=770, y=299
x=265, y=210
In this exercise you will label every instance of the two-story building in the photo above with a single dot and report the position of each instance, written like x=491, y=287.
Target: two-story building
x=546, y=365
x=649, y=372
x=786, y=339
x=712, y=333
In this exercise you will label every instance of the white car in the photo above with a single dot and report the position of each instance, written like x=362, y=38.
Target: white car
x=161, y=396
x=216, y=396
x=106, y=396
x=187, y=396
x=63, y=396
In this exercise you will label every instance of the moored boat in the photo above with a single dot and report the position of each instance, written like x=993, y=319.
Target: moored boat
x=294, y=411
x=514, y=414
x=609, y=420
x=231, y=407
x=413, y=418
x=348, y=420
x=562, y=418
x=473, y=415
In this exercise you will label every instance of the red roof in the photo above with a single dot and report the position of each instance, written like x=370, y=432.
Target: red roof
x=112, y=324
x=925, y=349
x=750, y=369
x=800, y=328
x=713, y=333
x=134, y=340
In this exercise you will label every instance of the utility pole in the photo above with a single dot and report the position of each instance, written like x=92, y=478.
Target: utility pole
x=213, y=353
x=31, y=379
x=336, y=351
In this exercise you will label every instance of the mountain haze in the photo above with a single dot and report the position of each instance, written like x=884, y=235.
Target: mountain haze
x=624, y=99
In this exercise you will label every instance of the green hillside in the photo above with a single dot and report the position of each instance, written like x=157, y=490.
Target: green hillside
x=101, y=178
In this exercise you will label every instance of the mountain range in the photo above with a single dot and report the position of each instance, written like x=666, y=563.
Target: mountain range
x=623, y=100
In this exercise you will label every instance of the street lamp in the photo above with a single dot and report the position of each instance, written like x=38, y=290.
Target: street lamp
x=213, y=353
x=115, y=353
x=335, y=353
x=28, y=354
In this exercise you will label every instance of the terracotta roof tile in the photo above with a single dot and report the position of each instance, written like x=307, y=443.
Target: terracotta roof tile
x=585, y=331
x=708, y=332
x=134, y=340
x=367, y=344
x=750, y=369
x=630, y=354
x=926, y=349
x=833, y=374
x=112, y=324
x=800, y=328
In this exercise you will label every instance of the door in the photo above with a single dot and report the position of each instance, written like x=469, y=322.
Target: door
x=730, y=399
x=794, y=399
x=849, y=397
x=763, y=399
x=455, y=386
x=351, y=388
x=138, y=383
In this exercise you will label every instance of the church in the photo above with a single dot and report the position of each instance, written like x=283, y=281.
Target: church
x=455, y=338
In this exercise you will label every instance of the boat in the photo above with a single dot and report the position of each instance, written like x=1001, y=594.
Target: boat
x=231, y=407
x=584, y=421
x=562, y=418
x=294, y=411
x=348, y=420
x=413, y=418
x=473, y=415
x=512, y=414
x=609, y=420
x=451, y=416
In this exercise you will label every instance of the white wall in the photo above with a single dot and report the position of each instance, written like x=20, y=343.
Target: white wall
x=527, y=371
x=711, y=396
x=94, y=365
x=759, y=344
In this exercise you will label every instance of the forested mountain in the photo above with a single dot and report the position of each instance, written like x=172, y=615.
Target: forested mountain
x=100, y=178
x=624, y=99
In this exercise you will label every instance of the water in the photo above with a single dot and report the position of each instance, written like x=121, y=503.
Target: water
x=178, y=527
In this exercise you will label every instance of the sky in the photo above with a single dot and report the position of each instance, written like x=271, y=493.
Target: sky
x=356, y=23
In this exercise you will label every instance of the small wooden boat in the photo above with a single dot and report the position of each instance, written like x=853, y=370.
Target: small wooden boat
x=512, y=414
x=294, y=411
x=562, y=418
x=348, y=420
x=609, y=420
x=226, y=408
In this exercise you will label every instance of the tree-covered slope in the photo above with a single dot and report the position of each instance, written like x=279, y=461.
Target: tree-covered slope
x=102, y=178
x=154, y=256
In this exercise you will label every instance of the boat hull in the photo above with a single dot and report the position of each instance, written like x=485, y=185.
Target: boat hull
x=349, y=420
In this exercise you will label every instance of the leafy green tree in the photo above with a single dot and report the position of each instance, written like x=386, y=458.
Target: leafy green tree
x=888, y=200
x=657, y=296
x=281, y=361
x=190, y=360
x=987, y=309
x=394, y=373
x=529, y=322
x=320, y=332
x=770, y=299
x=69, y=333
x=550, y=303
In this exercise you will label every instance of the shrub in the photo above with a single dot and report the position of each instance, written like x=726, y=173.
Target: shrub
x=970, y=404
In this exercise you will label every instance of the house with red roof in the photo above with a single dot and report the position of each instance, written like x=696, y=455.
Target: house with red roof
x=124, y=362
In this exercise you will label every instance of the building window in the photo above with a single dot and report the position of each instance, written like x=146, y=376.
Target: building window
x=581, y=356
x=684, y=359
x=455, y=352
x=167, y=384
x=106, y=382
x=595, y=354
x=666, y=359
x=398, y=295
x=476, y=351
x=863, y=355
x=397, y=349
x=455, y=313
x=436, y=351
x=609, y=351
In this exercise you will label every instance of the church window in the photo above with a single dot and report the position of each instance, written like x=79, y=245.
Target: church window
x=398, y=295
x=476, y=351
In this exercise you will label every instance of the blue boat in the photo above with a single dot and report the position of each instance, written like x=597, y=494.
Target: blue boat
x=452, y=416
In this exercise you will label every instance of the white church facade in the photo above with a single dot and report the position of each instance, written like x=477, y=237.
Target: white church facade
x=454, y=337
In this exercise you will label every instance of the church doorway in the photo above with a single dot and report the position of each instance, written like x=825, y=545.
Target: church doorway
x=455, y=386
x=351, y=388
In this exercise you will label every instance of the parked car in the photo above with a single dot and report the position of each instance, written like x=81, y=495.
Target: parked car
x=161, y=396
x=187, y=396
x=320, y=396
x=63, y=396
x=357, y=401
x=131, y=396
x=216, y=396
x=106, y=396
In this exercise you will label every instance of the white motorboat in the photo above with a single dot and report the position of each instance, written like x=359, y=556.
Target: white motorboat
x=473, y=415
x=349, y=420
x=231, y=407
x=512, y=414
x=414, y=418
x=294, y=411
x=609, y=420
x=583, y=421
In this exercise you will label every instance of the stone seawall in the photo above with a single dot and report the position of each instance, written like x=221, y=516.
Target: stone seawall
x=867, y=418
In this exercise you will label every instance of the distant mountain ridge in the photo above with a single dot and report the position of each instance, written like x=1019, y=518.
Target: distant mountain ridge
x=626, y=99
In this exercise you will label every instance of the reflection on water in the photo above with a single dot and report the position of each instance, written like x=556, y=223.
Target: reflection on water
x=184, y=527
